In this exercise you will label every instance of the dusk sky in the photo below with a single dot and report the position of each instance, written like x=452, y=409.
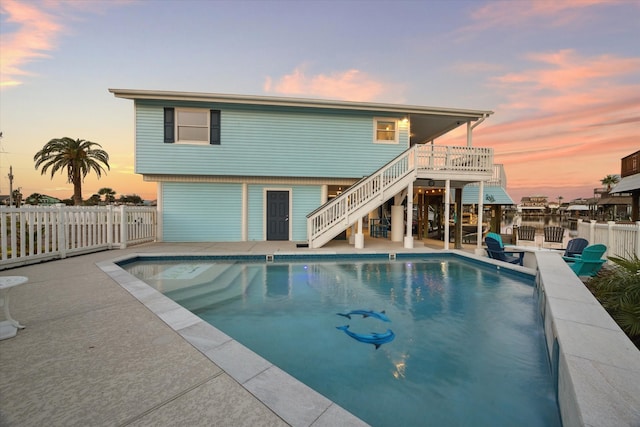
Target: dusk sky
x=562, y=76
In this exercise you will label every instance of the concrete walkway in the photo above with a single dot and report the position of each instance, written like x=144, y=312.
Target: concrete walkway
x=92, y=354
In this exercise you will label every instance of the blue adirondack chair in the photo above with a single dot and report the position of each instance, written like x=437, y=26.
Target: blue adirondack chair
x=496, y=251
x=574, y=249
x=495, y=236
x=590, y=262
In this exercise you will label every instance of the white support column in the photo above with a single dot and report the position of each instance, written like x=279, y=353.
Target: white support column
x=324, y=194
x=447, y=207
x=397, y=223
x=480, y=215
x=359, y=238
x=408, y=239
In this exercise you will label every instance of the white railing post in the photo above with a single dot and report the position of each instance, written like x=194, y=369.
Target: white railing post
x=110, y=226
x=124, y=226
x=592, y=231
x=4, y=244
x=610, y=236
x=62, y=231
x=637, y=244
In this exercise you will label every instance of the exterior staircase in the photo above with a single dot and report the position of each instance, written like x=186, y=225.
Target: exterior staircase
x=422, y=161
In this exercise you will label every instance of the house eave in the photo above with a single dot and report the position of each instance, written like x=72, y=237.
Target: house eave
x=135, y=94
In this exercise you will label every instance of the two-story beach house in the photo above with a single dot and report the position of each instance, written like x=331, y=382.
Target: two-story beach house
x=254, y=168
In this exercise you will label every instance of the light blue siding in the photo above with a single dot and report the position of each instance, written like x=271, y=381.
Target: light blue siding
x=267, y=141
x=199, y=212
x=305, y=198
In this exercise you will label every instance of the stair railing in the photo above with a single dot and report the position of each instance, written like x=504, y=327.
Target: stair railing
x=337, y=214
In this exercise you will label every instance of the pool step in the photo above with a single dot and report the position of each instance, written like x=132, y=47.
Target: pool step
x=230, y=283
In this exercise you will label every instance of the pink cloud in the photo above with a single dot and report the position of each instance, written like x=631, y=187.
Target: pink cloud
x=351, y=84
x=555, y=13
x=581, y=80
x=565, y=124
x=39, y=25
x=36, y=35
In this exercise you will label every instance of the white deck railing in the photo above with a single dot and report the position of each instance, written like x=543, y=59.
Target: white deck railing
x=621, y=240
x=32, y=234
x=419, y=161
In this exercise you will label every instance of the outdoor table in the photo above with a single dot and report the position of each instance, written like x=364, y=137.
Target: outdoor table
x=10, y=326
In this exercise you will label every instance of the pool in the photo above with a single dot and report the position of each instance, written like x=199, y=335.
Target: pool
x=469, y=347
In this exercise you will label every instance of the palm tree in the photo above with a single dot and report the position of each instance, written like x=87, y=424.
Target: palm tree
x=108, y=193
x=610, y=180
x=78, y=157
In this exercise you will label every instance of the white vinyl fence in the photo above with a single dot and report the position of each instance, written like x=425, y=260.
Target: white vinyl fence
x=33, y=234
x=621, y=240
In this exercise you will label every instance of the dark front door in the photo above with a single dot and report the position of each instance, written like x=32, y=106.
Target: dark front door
x=277, y=215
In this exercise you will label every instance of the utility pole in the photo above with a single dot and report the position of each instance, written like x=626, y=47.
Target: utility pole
x=10, y=185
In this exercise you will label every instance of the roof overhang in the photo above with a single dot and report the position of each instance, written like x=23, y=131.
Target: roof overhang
x=627, y=184
x=492, y=195
x=427, y=123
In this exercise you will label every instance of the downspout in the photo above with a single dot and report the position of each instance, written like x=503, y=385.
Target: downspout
x=471, y=127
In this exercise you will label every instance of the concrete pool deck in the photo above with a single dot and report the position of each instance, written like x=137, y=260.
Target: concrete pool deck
x=93, y=354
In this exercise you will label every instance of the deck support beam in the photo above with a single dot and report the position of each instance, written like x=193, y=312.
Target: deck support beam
x=408, y=239
x=447, y=211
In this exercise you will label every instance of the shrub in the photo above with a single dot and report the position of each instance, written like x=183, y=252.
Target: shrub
x=618, y=290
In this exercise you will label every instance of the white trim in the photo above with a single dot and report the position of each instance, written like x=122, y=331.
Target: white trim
x=295, y=102
x=264, y=210
x=396, y=129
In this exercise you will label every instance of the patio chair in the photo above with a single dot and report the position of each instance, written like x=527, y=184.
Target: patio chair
x=495, y=236
x=495, y=251
x=553, y=234
x=574, y=249
x=527, y=232
x=590, y=262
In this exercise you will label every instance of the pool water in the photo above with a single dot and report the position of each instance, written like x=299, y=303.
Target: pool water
x=469, y=348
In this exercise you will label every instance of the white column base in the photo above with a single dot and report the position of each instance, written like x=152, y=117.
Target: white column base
x=359, y=241
x=397, y=223
x=408, y=242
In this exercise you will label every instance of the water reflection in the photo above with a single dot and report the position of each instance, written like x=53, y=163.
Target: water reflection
x=537, y=221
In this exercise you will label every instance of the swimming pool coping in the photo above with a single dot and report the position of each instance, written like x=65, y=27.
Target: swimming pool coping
x=595, y=386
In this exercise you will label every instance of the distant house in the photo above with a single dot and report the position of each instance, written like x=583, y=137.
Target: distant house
x=630, y=182
x=252, y=168
x=533, y=205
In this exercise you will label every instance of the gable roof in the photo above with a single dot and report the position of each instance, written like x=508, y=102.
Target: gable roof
x=427, y=123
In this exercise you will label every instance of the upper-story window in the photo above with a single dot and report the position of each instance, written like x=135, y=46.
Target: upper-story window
x=191, y=126
x=386, y=131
